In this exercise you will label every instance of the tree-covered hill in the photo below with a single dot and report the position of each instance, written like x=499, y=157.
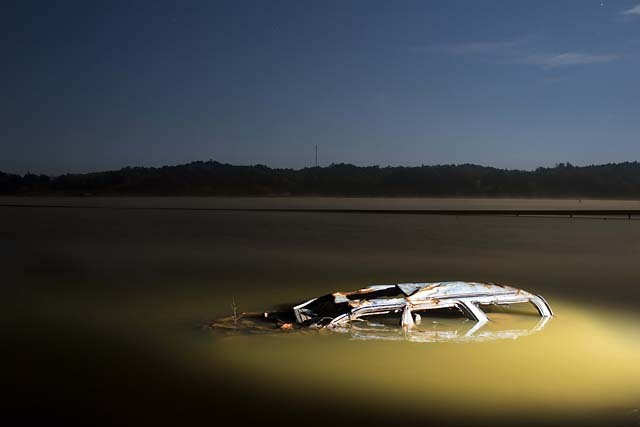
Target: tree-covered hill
x=214, y=178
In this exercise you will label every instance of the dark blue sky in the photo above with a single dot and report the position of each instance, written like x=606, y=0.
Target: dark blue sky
x=518, y=84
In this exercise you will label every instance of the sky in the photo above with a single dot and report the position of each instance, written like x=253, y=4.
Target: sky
x=88, y=86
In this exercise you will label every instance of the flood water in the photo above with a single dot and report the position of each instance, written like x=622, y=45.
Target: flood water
x=104, y=308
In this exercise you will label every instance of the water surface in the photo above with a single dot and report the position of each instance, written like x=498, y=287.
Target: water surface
x=104, y=308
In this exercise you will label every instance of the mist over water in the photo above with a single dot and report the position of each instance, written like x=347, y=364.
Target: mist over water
x=104, y=313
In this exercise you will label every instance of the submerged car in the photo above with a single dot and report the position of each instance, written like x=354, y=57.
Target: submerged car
x=412, y=299
x=383, y=311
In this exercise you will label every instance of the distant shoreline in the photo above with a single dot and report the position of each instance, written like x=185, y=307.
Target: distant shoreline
x=454, y=206
x=307, y=196
x=628, y=213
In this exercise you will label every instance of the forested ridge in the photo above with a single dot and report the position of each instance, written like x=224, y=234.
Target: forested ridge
x=215, y=178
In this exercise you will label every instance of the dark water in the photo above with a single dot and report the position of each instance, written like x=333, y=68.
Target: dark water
x=103, y=312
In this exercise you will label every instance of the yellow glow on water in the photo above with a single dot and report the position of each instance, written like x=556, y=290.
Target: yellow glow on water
x=583, y=358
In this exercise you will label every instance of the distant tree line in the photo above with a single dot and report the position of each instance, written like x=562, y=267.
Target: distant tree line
x=214, y=178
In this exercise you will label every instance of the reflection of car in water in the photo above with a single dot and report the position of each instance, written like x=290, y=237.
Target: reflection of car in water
x=420, y=312
x=437, y=328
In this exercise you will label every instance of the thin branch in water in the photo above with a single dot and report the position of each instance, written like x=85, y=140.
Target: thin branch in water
x=235, y=311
